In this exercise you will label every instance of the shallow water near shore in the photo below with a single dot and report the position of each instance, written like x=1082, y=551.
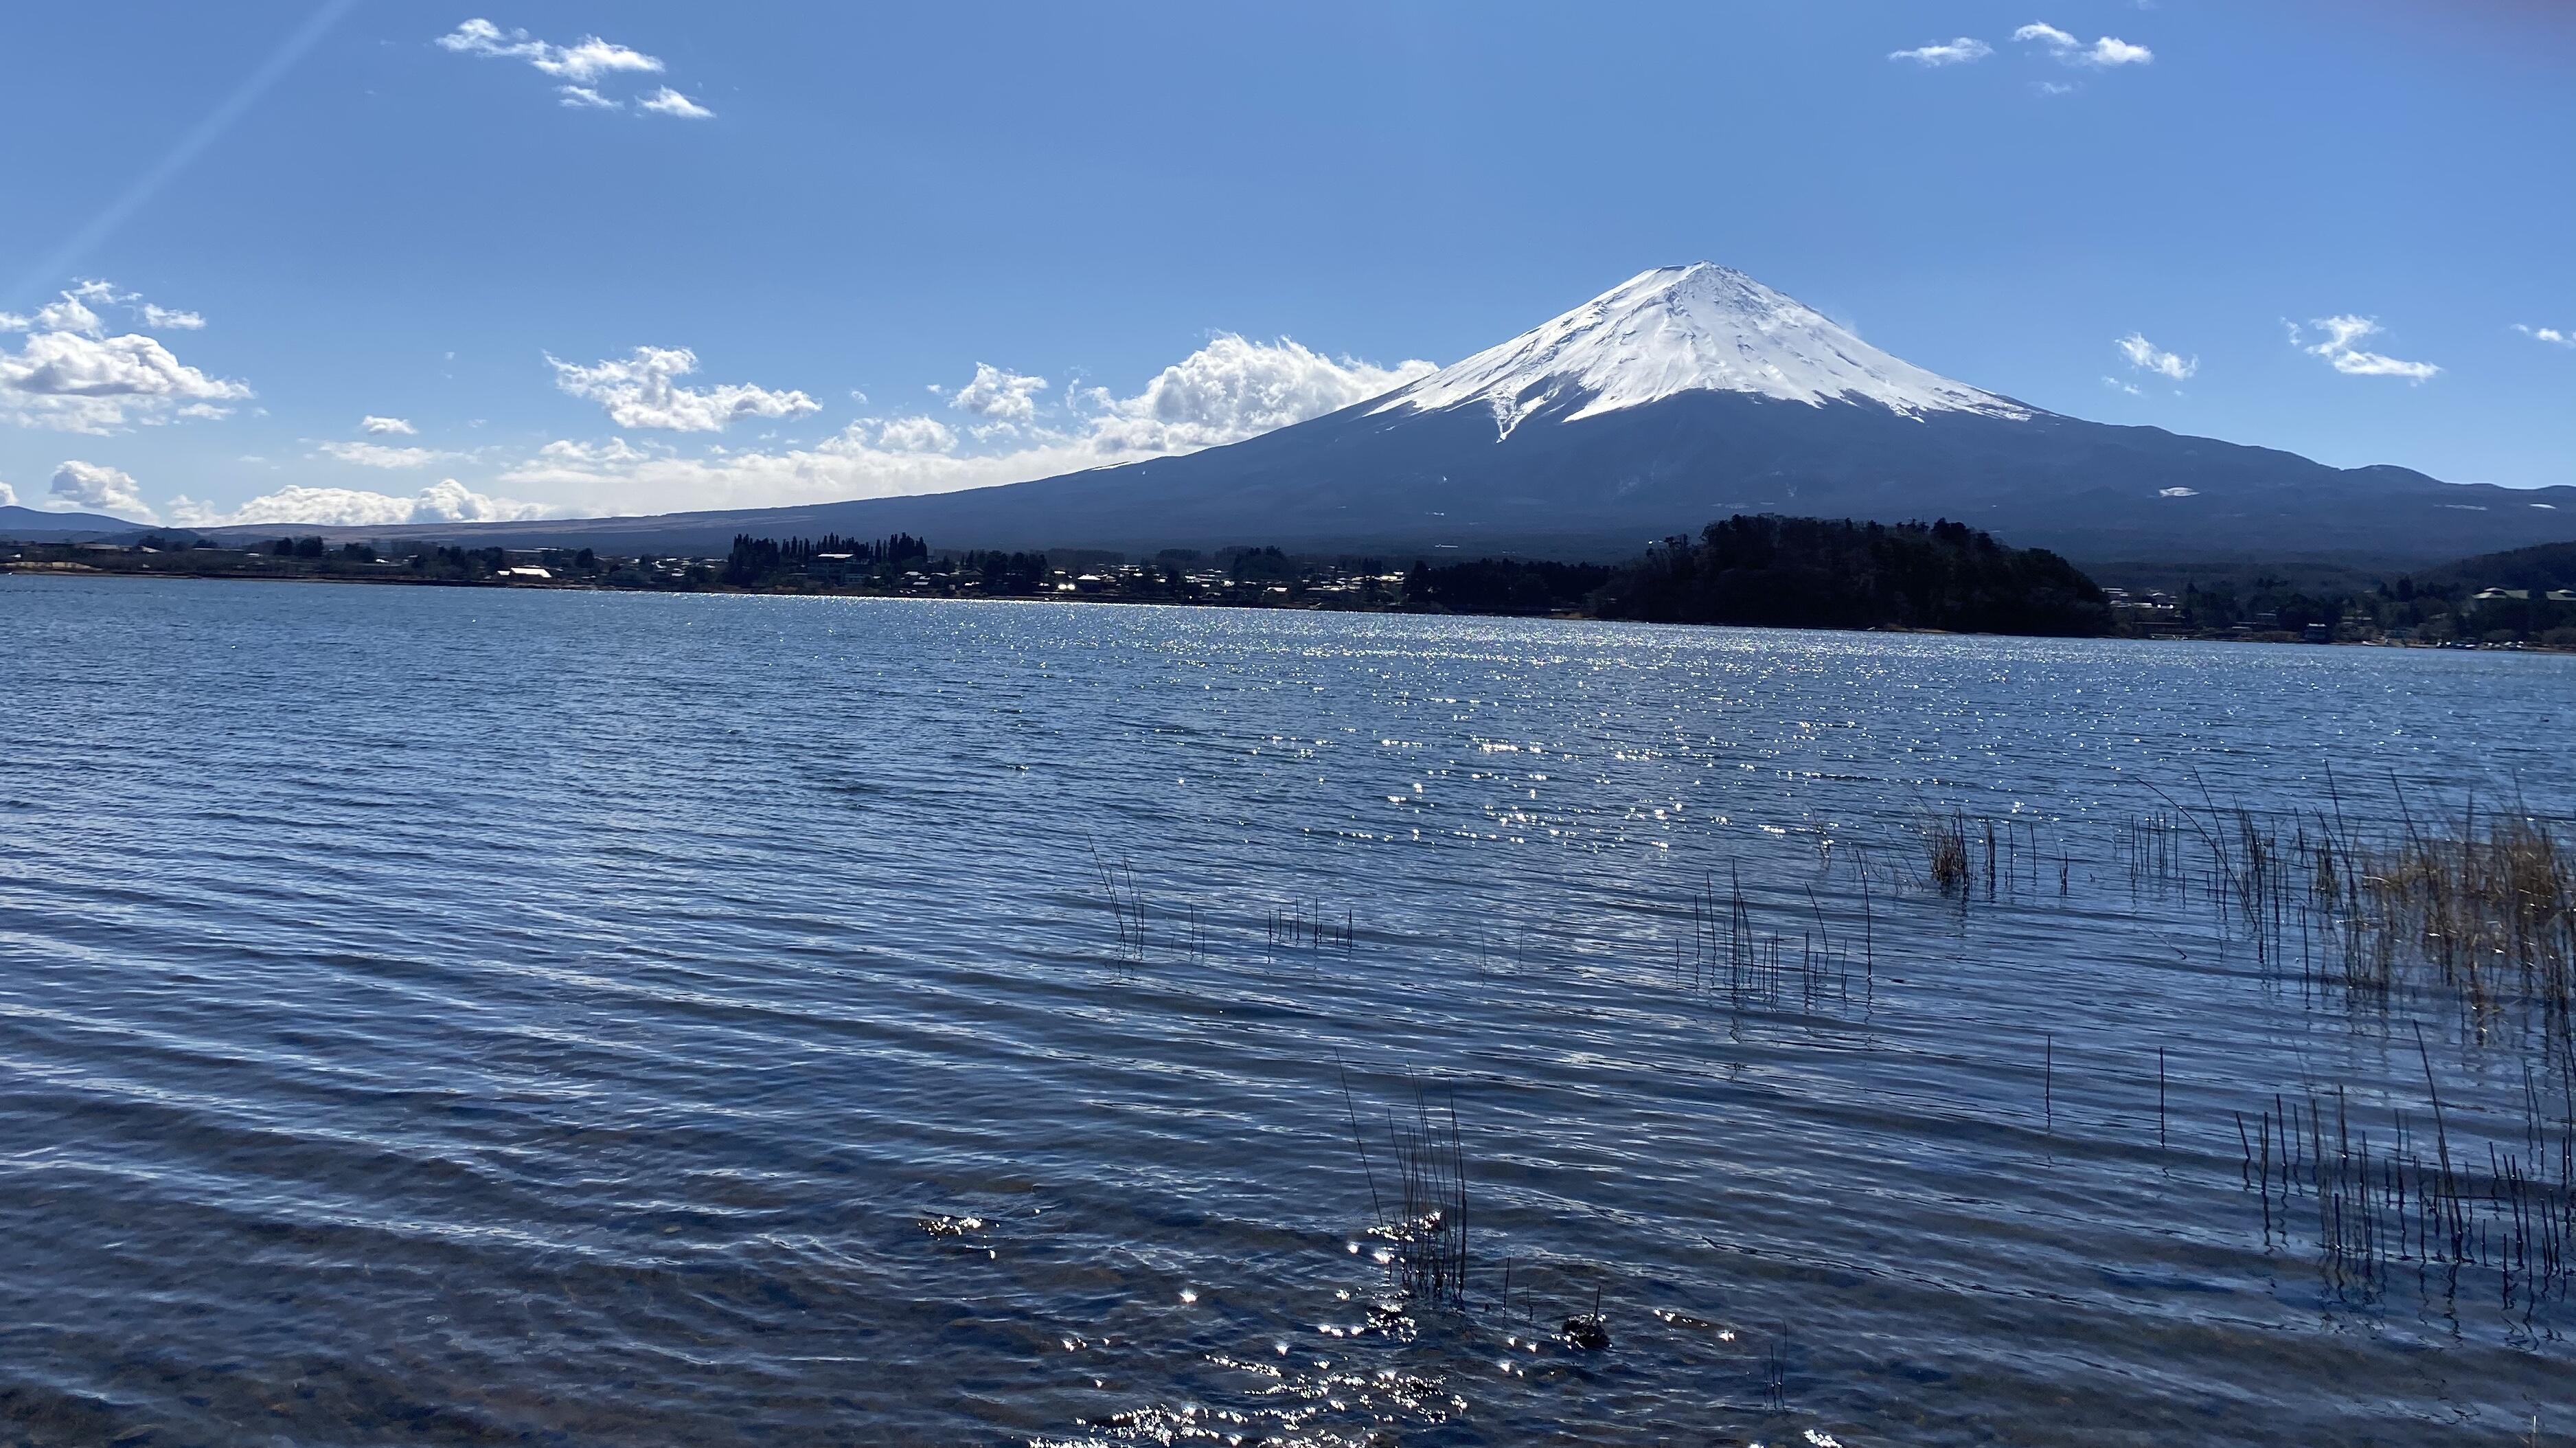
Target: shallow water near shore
x=458, y=1016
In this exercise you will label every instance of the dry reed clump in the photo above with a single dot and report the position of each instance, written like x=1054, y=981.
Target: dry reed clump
x=2488, y=907
x=2499, y=899
x=2482, y=909
x=1945, y=847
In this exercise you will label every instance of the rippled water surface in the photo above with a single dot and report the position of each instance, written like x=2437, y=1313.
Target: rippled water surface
x=449, y=1016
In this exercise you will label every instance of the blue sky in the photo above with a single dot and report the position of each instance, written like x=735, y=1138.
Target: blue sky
x=724, y=255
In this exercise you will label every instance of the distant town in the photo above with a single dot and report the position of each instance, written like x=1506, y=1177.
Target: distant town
x=2532, y=607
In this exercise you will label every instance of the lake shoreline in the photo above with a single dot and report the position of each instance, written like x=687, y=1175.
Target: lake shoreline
x=42, y=569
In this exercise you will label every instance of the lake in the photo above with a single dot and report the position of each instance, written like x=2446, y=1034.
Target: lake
x=475, y=1015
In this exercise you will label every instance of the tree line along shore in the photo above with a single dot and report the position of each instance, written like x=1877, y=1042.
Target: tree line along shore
x=1764, y=571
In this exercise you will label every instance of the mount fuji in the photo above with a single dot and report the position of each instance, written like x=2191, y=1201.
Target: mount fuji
x=1680, y=396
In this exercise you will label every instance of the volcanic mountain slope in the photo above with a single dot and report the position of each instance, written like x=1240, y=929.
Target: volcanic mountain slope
x=1682, y=395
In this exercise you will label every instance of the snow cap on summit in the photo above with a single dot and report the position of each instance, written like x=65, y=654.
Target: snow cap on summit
x=1676, y=329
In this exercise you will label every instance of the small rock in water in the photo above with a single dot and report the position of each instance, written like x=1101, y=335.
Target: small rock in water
x=1588, y=1333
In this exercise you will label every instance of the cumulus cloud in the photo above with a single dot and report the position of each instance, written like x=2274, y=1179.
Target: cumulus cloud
x=1233, y=388
x=1946, y=52
x=8, y=496
x=166, y=319
x=999, y=393
x=377, y=455
x=67, y=315
x=2338, y=347
x=2105, y=52
x=668, y=102
x=2556, y=336
x=444, y=502
x=915, y=435
x=72, y=376
x=2146, y=356
x=1230, y=389
x=643, y=390
x=374, y=426
x=93, y=488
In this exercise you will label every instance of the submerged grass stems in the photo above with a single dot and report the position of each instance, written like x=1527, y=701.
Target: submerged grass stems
x=2375, y=1207
x=1727, y=953
x=1423, y=1218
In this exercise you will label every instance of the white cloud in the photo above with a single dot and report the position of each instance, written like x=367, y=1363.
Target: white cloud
x=590, y=57
x=580, y=67
x=2337, y=347
x=444, y=502
x=643, y=391
x=377, y=455
x=916, y=435
x=614, y=452
x=2147, y=357
x=2116, y=385
x=2105, y=52
x=72, y=311
x=999, y=393
x=2052, y=88
x=668, y=102
x=1227, y=390
x=374, y=426
x=1232, y=388
x=2554, y=335
x=1946, y=52
x=8, y=496
x=68, y=375
x=93, y=488
x=68, y=315
x=582, y=62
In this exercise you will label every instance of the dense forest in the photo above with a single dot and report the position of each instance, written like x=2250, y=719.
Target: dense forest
x=1506, y=585
x=1796, y=573
x=1810, y=573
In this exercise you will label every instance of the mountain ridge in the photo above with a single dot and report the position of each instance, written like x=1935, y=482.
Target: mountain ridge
x=1682, y=395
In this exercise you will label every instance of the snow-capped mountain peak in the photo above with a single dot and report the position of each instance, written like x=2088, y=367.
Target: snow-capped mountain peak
x=1701, y=327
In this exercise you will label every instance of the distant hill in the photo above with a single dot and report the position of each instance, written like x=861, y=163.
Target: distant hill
x=37, y=525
